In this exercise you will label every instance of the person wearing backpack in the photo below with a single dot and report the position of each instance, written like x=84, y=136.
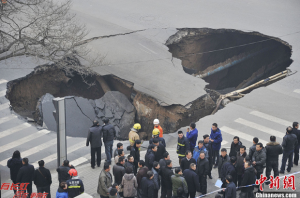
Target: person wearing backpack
x=42, y=179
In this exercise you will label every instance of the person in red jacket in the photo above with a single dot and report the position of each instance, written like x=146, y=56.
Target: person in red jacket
x=156, y=125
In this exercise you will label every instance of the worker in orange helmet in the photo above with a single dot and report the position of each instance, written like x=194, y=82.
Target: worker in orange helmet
x=75, y=185
x=157, y=126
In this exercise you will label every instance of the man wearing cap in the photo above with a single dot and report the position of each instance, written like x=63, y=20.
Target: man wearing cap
x=155, y=135
x=157, y=126
x=75, y=185
x=94, y=137
x=133, y=136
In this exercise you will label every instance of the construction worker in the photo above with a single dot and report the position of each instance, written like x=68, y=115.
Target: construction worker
x=157, y=126
x=155, y=135
x=75, y=185
x=133, y=136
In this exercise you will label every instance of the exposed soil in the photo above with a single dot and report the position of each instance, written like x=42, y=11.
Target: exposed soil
x=247, y=53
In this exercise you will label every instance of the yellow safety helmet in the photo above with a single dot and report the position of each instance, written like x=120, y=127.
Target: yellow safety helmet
x=137, y=126
x=155, y=132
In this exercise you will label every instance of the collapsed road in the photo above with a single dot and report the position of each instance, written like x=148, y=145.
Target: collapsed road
x=117, y=98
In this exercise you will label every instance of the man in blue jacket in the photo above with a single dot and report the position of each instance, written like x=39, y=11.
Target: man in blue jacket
x=192, y=135
x=198, y=149
x=216, y=139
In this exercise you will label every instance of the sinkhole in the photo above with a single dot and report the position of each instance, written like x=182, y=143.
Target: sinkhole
x=229, y=59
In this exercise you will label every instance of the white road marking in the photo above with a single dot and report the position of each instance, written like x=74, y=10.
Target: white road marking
x=3, y=81
x=54, y=156
x=260, y=127
x=297, y=91
x=147, y=48
x=18, y=142
x=4, y=106
x=145, y=51
x=271, y=118
x=14, y=130
x=224, y=142
x=2, y=93
x=78, y=161
x=7, y=118
x=241, y=135
x=34, y=150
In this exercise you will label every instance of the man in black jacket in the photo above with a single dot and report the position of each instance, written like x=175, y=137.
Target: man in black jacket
x=259, y=159
x=183, y=145
x=42, y=179
x=186, y=162
x=162, y=162
x=119, y=170
x=135, y=152
x=130, y=163
x=148, y=185
x=208, y=146
x=273, y=150
x=252, y=149
x=296, y=150
x=288, y=144
x=223, y=158
x=94, y=137
x=235, y=146
x=139, y=176
x=229, y=169
x=240, y=157
x=248, y=179
x=202, y=171
x=150, y=156
x=161, y=149
x=192, y=180
x=63, y=171
x=230, y=191
x=109, y=134
x=25, y=175
x=14, y=164
x=166, y=182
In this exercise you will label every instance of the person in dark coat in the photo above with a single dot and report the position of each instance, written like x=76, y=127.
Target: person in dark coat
x=296, y=150
x=183, y=145
x=208, y=146
x=162, y=162
x=289, y=143
x=156, y=178
x=223, y=158
x=25, y=175
x=230, y=191
x=75, y=185
x=119, y=170
x=273, y=150
x=160, y=140
x=148, y=185
x=14, y=164
x=130, y=163
x=63, y=171
x=42, y=179
x=150, y=156
x=192, y=180
x=202, y=172
x=192, y=136
x=248, y=179
x=186, y=162
x=142, y=173
x=235, y=146
x=216, y=139
x=119, y=147
x=240, y=164
x=252, y=149
x=135, y=152
x=94, y=137
x=229, y=169
x=259, y=160
x=161, y=149
x=109, y=134
x=166, y=182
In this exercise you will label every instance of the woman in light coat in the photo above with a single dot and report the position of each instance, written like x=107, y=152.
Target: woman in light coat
x=129, y=184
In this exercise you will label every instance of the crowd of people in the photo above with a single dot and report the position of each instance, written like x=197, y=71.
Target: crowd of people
x=135, y=176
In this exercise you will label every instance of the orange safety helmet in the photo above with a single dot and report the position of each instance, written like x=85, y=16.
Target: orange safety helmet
x=73, y=172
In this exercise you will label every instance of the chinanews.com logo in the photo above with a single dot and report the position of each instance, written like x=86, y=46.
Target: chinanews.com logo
x=274, y=183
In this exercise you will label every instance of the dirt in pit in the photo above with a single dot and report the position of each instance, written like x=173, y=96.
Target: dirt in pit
x=205, y=50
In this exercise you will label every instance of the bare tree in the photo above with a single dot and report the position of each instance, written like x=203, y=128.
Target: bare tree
x=39, y=28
